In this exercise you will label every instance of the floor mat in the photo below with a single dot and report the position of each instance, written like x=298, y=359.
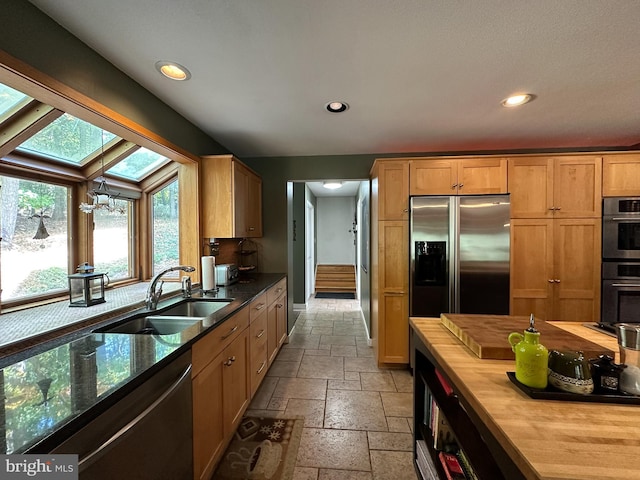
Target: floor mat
x=262, y=449
x=338, y=295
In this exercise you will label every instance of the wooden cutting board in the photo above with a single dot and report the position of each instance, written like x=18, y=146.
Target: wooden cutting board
x=486, y=335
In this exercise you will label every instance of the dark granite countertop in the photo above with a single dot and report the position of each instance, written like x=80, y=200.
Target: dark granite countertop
x=52, y=390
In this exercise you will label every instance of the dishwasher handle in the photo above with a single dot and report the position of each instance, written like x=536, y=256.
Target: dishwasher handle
x=120, y=434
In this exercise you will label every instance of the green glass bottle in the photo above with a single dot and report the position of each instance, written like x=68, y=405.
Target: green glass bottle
x=532, y=358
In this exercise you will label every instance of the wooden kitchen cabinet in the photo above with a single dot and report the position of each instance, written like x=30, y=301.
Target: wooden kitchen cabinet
x=392, y=313
x=467, y=176
x=258, y=348
x=231, y=201
x=555, y=268
x=392, y=189
x=276, y=318
x=555, y=187
x=621, y=175
x=220, y=388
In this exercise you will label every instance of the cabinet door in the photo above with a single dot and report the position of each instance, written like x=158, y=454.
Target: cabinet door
x=240, y=199
x=577, y=259
x=281, y=322
x=433, y=177
x=272, y=331
x=482, y=176
x=621, y=176
x=254, y=206
x=531, y=187
x=531, y=269
x=236, y=390
x=208, y=422
x=577, y=187
x=393, y=319
x=393, y=190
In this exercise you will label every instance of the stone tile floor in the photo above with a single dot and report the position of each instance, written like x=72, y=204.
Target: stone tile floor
x=358, y=418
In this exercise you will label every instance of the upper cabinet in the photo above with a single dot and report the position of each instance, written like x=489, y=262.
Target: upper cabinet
x=469, y=176
x=621, y=175
x=390, y=189
x=555, y=187
x=231, y=198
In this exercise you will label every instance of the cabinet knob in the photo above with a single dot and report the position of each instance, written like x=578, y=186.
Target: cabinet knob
x=558, y=208
x=251, y=229
x=229, y=361
x=552, y=208
x=550, y=280
x=453, y=187
x=556, y=281
x=461, y=185
x=260, y=334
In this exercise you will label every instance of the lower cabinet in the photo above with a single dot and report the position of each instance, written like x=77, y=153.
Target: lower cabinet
x=220, y=388
x=229, y=365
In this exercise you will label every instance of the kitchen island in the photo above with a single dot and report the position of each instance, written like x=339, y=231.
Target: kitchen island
x=512, y=435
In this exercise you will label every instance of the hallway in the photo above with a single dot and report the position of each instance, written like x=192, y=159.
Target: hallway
x=358, y=418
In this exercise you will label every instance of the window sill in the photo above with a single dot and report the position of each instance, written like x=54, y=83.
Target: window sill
x=59, y=318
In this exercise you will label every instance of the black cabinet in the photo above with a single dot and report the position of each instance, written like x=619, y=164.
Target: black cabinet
x=444, y=424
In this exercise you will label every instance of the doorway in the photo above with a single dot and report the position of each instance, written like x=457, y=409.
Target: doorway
x=310, y=236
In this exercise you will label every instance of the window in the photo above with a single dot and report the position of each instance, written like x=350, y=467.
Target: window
x=137, y=165
x=165, y=235
x=34, y=248
x=113, y=246
x=67, y=139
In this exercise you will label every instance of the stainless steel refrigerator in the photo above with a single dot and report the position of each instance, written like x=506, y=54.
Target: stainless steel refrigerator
x=460, y=255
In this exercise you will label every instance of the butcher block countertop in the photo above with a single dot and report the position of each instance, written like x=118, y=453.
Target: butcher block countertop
x=546, y=439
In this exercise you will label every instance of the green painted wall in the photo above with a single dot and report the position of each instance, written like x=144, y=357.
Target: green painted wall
x=32, y=37
x=275, y=173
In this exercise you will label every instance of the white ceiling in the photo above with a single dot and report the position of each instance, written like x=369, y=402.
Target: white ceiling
x=419, y=75
x=348, y=189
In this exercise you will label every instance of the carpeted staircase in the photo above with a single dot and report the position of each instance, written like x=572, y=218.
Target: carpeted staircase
x=336, y=278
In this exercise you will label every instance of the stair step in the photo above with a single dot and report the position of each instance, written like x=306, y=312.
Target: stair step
x=335, y=278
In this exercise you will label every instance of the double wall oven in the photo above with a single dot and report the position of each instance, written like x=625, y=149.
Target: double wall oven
x=620, y=261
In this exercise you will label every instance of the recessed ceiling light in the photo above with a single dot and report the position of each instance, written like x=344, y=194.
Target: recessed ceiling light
x=332, y=185
x=336, y=107
x=173, y=70
x=517, y=99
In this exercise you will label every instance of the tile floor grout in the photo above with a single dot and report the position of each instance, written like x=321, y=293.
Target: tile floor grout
x=358, y=418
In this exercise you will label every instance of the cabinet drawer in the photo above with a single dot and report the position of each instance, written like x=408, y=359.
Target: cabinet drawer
x=274, y=292
x=257, y=306
x=205, y=350
x=258, y=351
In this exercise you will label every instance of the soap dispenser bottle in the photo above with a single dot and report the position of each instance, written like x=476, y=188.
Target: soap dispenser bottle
x=532, y=358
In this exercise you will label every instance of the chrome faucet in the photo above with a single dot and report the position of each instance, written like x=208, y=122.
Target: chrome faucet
x=153, y=295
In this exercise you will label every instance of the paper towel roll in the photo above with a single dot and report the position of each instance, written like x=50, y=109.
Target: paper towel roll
x=208, y=273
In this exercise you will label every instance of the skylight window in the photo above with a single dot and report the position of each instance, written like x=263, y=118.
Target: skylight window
x=138, y=165
x=67, y=139
x=10, y=99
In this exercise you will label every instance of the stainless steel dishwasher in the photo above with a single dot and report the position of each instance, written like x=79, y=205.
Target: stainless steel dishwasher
x=146, y=435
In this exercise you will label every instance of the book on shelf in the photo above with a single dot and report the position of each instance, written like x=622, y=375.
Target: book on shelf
x=424, y=462
x=451, y=466
x=445, y=385
x=469, y=473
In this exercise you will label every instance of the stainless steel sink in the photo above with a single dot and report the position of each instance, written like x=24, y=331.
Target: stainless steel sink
x=195, y=308
x=153, y=325
x=188, y=314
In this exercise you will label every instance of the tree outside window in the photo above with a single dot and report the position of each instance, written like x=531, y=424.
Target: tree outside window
x=34, y=245
x=165, y=241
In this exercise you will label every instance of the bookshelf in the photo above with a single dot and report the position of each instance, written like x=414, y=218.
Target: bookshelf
x=443, y=427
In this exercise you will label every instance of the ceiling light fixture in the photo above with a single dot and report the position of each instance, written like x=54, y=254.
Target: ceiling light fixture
x=517, y=99
x=102, y=197
x=173, y=70
x=332, y=185
x=337, y=107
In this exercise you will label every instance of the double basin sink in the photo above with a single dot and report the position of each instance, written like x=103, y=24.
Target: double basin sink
x=169, y=321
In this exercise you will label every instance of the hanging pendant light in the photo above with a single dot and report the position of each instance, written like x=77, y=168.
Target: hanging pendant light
x=102, y=198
